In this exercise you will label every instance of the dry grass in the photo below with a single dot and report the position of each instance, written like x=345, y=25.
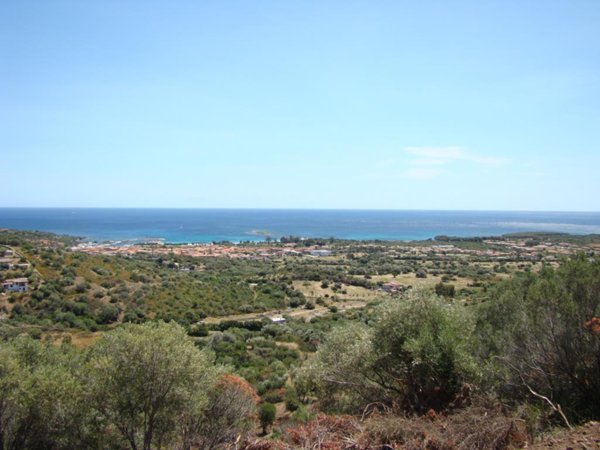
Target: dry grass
x=410, y=279
x=473, y=428
x=313, y=289
x=79, y=339
x=290, y=345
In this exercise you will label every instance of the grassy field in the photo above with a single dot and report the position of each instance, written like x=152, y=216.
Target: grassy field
x=313, y=290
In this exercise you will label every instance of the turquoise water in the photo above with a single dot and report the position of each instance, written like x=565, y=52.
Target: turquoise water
x=208, y=225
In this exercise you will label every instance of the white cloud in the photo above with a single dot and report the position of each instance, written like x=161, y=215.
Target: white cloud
x=426, y=163
x=440, y=156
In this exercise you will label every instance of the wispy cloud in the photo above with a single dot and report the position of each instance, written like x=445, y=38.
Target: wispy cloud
x=445, y=155
x=428, y=162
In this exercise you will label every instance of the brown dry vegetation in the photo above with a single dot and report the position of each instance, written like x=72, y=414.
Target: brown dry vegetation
x=470, y=429
x=585, y=437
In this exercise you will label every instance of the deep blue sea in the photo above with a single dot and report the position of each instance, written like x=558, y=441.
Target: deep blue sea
x=208, y=225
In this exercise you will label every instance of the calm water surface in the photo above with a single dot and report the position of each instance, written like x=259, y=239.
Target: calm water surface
x=208, y=225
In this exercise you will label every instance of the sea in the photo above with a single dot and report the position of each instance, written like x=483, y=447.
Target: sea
x=125, y=225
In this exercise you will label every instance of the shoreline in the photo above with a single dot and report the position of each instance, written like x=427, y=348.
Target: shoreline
x=161, y=241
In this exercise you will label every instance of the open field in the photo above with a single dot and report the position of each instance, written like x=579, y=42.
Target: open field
x=313, y=290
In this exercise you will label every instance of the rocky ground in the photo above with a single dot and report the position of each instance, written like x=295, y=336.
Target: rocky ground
x=585, y=437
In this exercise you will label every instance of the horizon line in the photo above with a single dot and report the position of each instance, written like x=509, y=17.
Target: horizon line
x=297, y=209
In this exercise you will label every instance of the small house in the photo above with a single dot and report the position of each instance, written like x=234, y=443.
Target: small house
x=16, y=285
x=278, y=319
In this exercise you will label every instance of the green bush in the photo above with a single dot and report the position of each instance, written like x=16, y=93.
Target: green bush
x=445, y=290
x=539, y=328
x=291, y=400
x=266, y=415
x=416, y=354
x=108, y=313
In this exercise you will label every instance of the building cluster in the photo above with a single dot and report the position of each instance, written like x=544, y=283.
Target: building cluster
x=258, y=251
x=9, y=260
x=497, y=249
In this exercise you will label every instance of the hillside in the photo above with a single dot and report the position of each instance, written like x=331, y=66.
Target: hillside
x=357, y=344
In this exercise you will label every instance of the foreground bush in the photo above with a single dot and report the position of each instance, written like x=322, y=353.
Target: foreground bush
x=146, y=380
x=416, y=355
x=42, y=398
x=140, y=387
x=539, y=328
x=231, y=412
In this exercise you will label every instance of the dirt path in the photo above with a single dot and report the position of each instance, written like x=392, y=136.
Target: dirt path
x=295, y=313
x=22, y=255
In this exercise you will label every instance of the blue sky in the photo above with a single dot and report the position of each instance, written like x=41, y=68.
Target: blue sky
x=374, y=104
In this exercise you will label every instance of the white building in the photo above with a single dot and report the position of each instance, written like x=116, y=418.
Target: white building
x=278, y=319
x=15, y=285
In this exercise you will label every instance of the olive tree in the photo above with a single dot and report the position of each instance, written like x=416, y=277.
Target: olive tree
x=42, y=397
x=146, y=380
x=338, y=373
x=416, y=354
x=423, y=350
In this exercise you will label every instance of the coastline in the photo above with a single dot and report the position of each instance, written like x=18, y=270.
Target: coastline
x=175, y=226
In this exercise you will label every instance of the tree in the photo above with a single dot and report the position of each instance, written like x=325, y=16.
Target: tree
x=266, y=415
x=445, y=290
x=338, y=373
x=42, y=398
x=421, y=273
x=146, y=379
x=423, y=351
x=417, y=354
x=107, y=314
x=231, y=412
x=540, y=329
x=9, y=367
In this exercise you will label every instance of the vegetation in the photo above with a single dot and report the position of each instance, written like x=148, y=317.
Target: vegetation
x=542, y=328
x=267, y=416
x=377, y=344
x=140, y=387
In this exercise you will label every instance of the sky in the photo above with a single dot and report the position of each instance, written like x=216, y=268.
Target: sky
x=471, y=105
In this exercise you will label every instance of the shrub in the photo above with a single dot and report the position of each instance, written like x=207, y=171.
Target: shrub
x=108, y=313
x=444, y=290
x=147, y=380
x=291, y=399
x=231, y=412
x=417, y=355
x=540, y=326
x=266, y=415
